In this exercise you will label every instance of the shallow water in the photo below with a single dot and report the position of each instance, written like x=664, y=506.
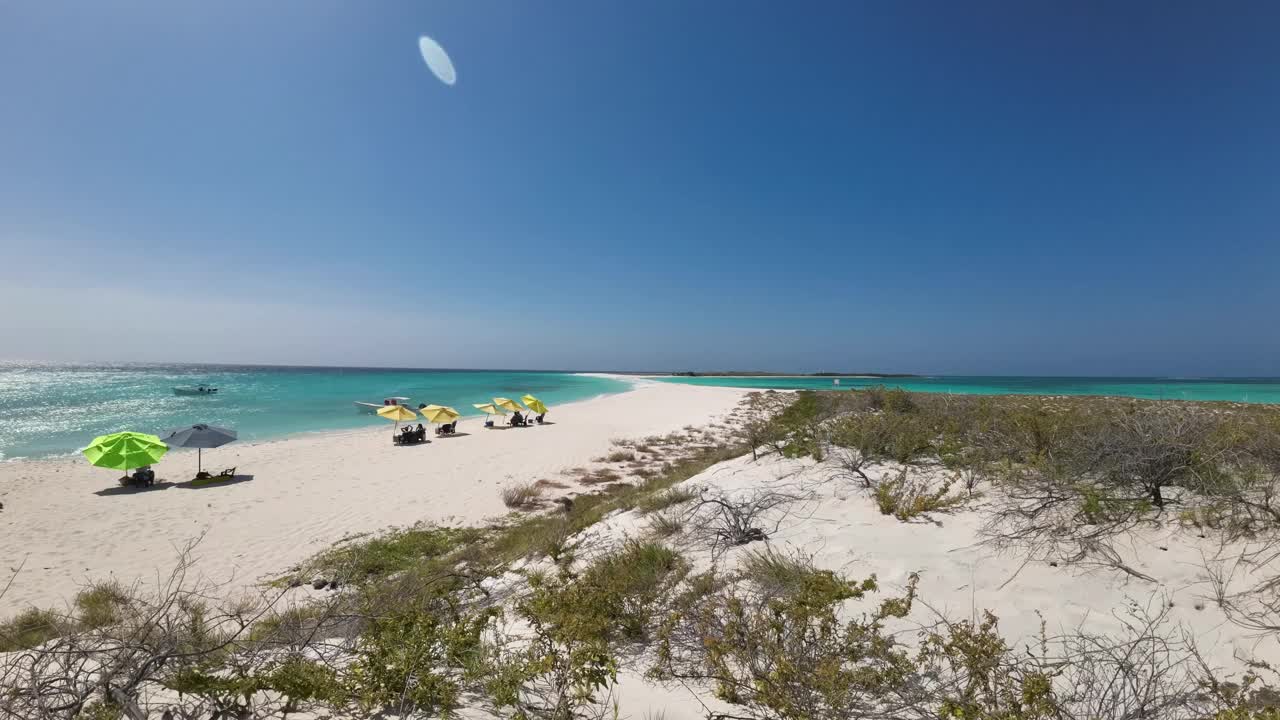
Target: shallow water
x=1254, y=390
x=55, y=409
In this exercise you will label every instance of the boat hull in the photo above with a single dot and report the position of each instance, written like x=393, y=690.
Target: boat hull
x=367, y=407
x=195, y=391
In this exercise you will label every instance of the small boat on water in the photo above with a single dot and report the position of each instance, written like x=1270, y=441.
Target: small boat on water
x=366, y=407
x=198, y=390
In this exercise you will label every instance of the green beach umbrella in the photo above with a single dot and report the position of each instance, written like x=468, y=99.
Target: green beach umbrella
x=125, y=450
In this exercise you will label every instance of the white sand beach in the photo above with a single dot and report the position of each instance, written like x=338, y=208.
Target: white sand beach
x=66, y=523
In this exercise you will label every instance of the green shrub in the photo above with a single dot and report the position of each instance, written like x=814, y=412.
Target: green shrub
x=663, y=499
x=776, y=574
x=759, y=427
x=30, y=628
x=290, y=625
x=390, y=553
x=883, y=437
x=907, y=500
x=101, y=604
x=100, y=710
x=521, y=497
x=977, y=677
x=664, y=525
x=410, y=657
x=622, y=587
x=898, y=400
x=880, y=397
x=302, y=681
x=578, y=623
x=791, y=657
x=801, y=426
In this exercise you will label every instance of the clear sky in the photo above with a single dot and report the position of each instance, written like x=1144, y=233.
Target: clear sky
x=946, y=187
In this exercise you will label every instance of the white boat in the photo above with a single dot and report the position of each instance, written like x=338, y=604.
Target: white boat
x=200, y=390
x=375, y=407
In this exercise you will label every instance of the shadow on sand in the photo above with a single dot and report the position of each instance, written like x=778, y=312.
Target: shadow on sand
x=134, y=489
x=213, y=482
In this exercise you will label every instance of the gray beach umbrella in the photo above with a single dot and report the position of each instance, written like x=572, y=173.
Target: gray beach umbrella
x=199, y=437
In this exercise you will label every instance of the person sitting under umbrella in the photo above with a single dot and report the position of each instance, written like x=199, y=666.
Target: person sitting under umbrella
x=144, y=476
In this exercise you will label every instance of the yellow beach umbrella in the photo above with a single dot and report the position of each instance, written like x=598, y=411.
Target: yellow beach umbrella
x=507, y=403
x=489, y=408
x=534, y=404
x=396, y=414
x=439, y=413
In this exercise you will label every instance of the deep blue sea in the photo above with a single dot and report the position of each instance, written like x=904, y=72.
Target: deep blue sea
x=1254, y=390
x=56, y=409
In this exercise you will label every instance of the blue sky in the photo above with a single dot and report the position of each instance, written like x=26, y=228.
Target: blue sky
x=992, y=188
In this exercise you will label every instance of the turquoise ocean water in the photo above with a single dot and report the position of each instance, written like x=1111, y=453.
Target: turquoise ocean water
x=50, y=410
x=1255, y=390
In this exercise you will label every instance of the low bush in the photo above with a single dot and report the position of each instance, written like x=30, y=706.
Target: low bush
x=523, y=496
x=30, y=628
x=578, y=624
x=414, y=657
x=101, y=604
x=801, y=425
x=907, y=499
x=387, y=554
x=791, y=656
x=880, y=397
x=775, y=574
x=663, y=499
x=665, y=524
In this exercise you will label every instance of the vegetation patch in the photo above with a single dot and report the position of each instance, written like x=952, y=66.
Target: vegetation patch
x=908, y=499
x=30, y=628
x=524, y=496
x=101, y=604
x=660, y=500
x=387, y=554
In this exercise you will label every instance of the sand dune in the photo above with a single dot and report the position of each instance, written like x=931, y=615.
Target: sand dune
x=838, y=526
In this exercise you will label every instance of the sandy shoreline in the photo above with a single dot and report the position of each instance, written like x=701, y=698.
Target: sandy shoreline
x=67, y=523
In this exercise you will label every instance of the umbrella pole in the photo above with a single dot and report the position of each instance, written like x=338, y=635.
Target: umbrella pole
x=198, y=457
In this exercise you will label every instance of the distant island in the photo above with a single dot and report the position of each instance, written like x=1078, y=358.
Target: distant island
x=745, y=373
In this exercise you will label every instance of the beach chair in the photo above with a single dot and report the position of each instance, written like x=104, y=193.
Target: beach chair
x=225, y=474
x=540, y=417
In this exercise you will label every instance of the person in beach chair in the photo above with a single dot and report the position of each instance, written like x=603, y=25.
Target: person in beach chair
x=144, y=476
x=517, y=420
x=540, y=417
